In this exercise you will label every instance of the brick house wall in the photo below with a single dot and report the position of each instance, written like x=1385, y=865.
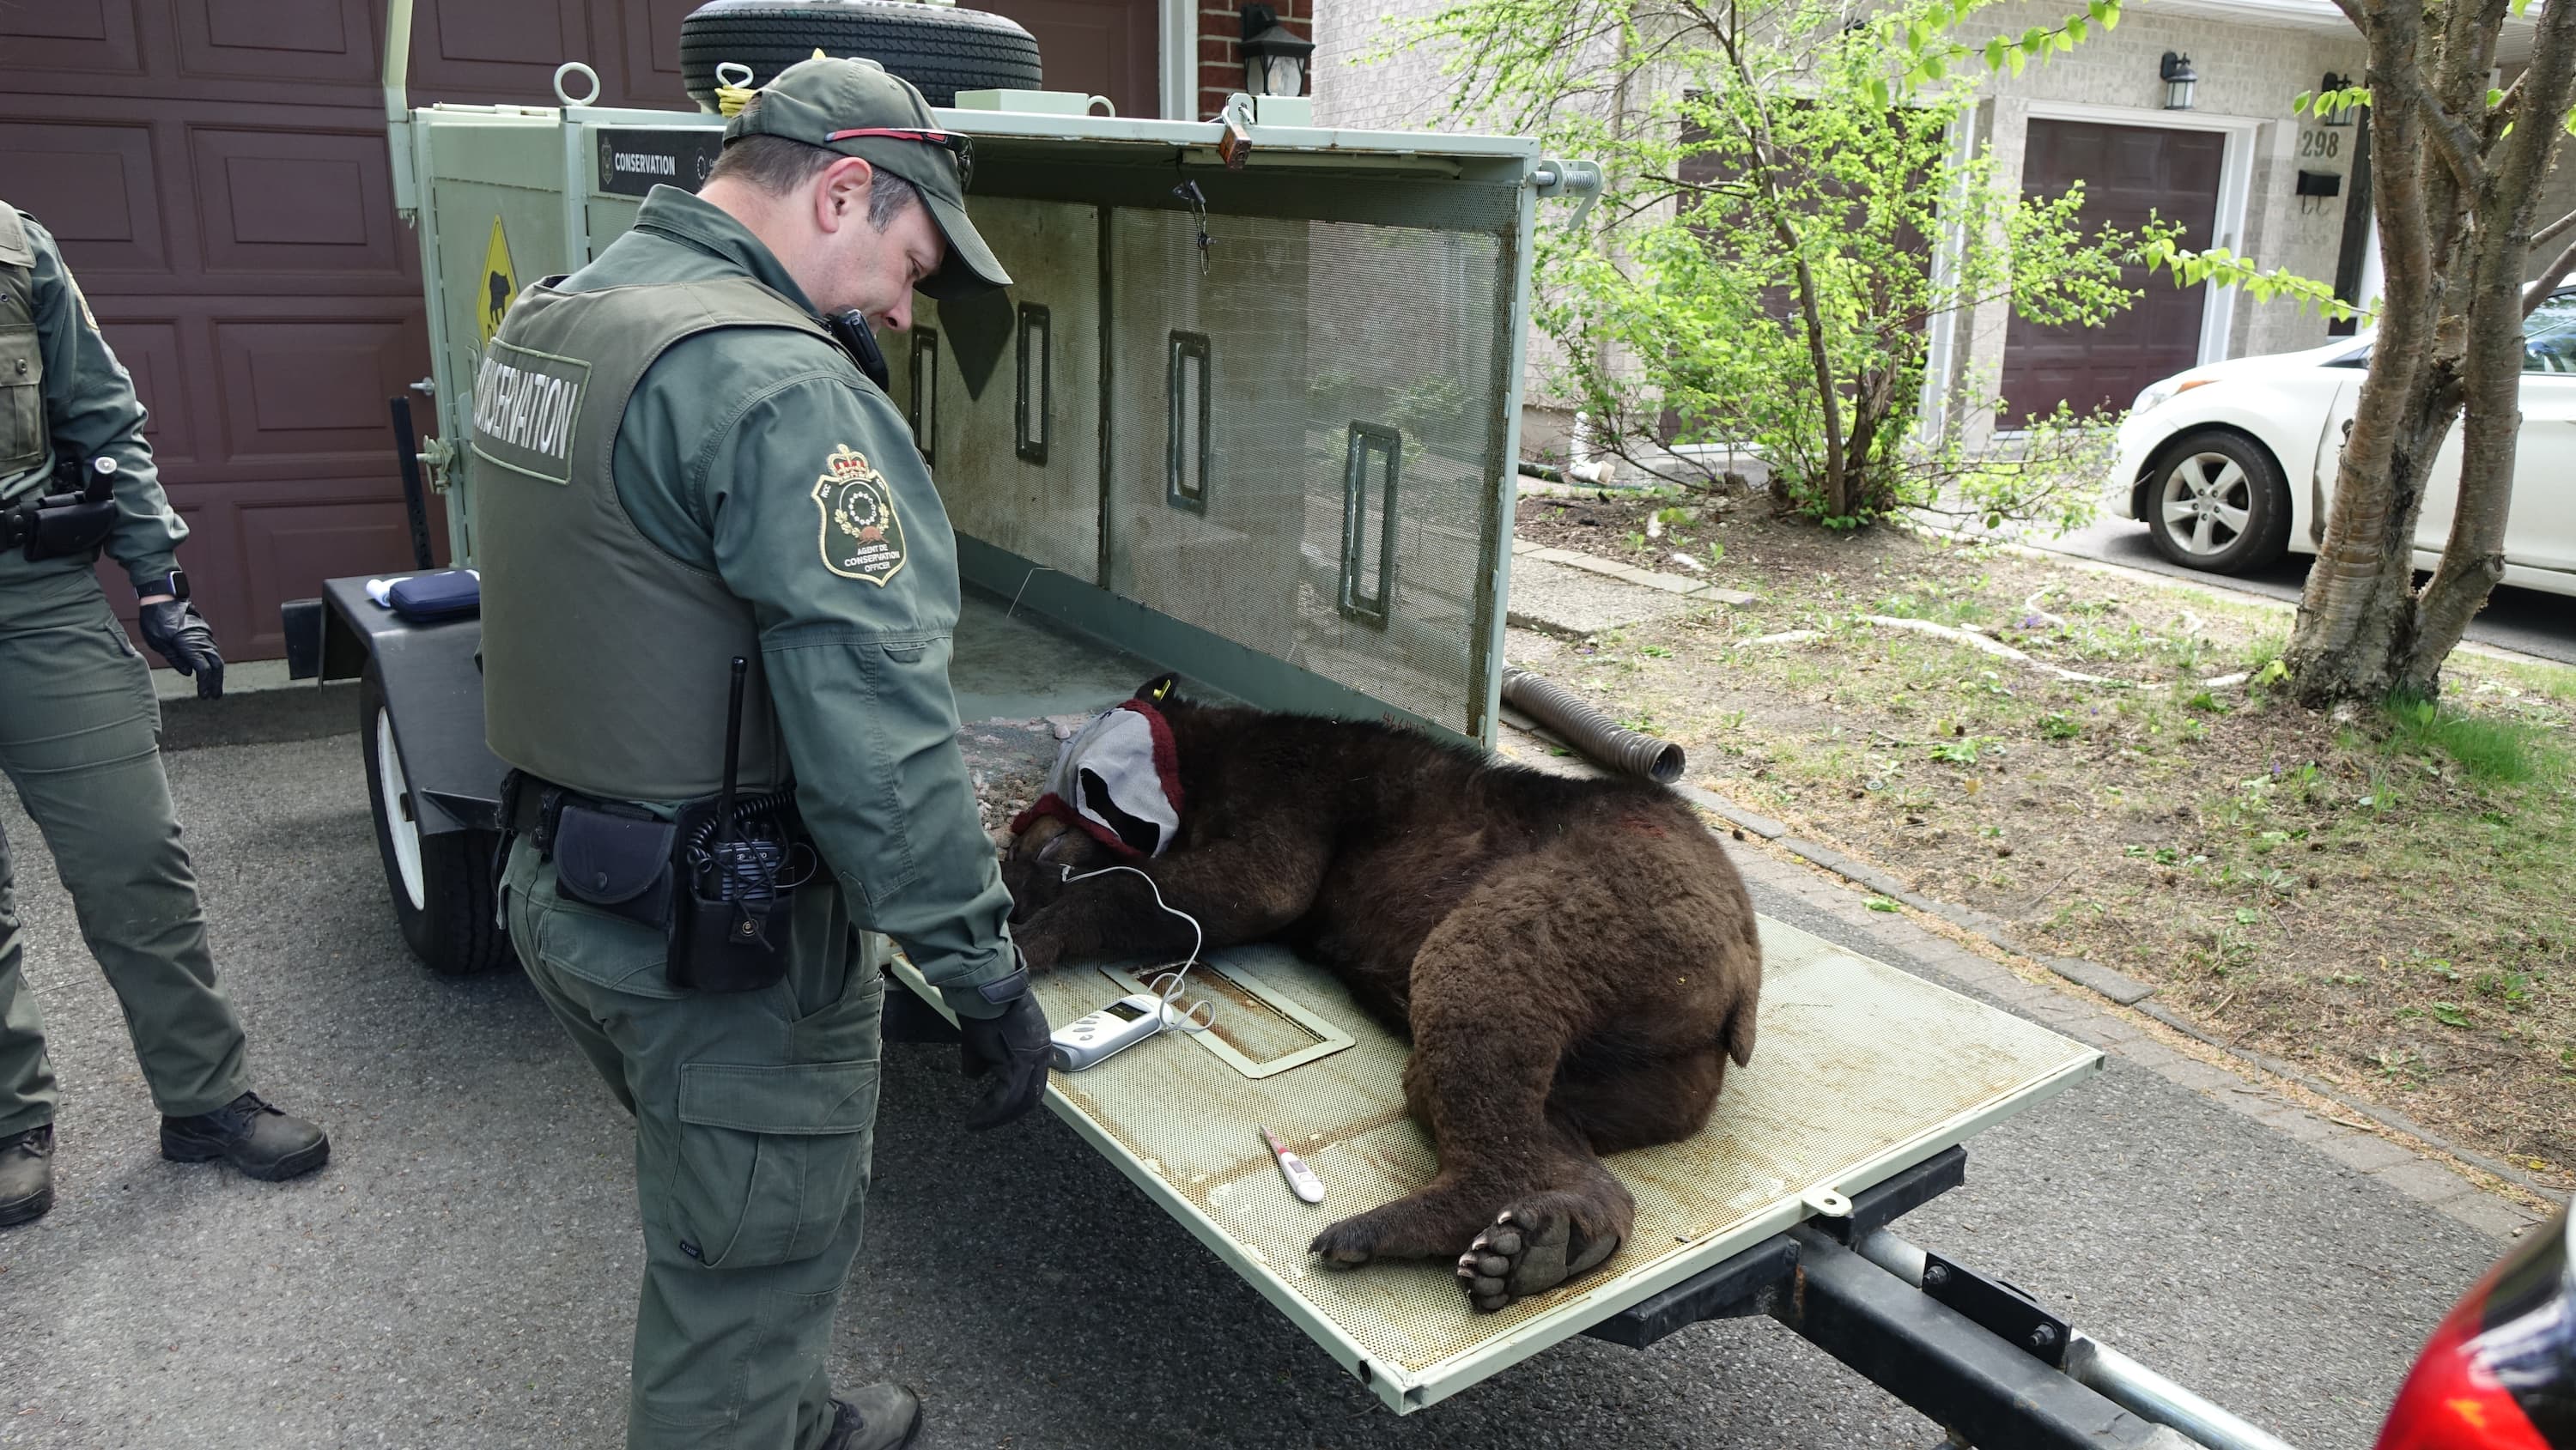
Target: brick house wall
x=1221, y=48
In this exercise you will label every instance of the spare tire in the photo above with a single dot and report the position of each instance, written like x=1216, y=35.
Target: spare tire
x=939, y=48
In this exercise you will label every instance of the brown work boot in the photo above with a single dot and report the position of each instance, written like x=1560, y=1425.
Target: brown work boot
x=26, y=1175
x=875, y=1417
x=259, y=1140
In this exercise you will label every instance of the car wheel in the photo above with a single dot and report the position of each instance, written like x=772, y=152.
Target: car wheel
x=2215, y=500
x=442, y=885
x=940, y=49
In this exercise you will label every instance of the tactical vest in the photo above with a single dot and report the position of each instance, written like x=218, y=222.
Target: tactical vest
x=26, y=441
x=605, y=660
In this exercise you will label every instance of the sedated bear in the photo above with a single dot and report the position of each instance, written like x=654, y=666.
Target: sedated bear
x=1575, y=960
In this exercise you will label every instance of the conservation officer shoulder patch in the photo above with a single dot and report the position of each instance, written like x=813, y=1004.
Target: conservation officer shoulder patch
x=861, y=537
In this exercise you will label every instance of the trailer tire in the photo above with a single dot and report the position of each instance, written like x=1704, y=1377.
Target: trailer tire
x=941, y=49
x=441, y=885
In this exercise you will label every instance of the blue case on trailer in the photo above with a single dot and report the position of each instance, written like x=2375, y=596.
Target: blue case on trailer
x=430, y=598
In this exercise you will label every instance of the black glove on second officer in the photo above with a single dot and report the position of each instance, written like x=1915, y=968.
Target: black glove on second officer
x=1012, y=1049
x=179, y=634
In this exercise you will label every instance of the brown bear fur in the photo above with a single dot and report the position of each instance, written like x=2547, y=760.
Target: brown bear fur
x=1574, y=959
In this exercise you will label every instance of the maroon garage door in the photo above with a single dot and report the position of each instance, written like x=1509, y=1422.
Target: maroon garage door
x=216, y=171
x=2128, y=172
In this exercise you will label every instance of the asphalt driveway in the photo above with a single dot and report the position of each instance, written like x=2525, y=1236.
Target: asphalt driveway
x=462, y=1274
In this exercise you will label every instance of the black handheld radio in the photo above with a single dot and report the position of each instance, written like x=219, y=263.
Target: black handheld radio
x=739, y=861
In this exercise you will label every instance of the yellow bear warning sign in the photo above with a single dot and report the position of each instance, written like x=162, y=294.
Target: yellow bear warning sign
x=500, y=284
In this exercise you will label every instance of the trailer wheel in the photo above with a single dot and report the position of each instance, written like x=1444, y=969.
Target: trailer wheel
x=441, y=884
x=939, y=48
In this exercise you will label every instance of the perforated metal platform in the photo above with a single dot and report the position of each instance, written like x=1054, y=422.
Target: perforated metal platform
x=1861, y=1071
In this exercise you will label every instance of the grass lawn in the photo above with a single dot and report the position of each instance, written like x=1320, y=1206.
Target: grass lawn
x=2388, y=899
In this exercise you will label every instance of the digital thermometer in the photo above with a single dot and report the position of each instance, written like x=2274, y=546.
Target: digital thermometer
x=1095, y=1037
x=1301, y=1179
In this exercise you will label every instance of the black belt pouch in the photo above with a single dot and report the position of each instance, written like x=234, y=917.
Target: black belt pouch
x=69, y=527
x=616, y=860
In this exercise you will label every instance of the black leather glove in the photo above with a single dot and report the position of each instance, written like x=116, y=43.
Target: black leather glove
x=1012, y=1050
x=179, y=634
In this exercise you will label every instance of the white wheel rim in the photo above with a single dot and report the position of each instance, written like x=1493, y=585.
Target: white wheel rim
x=400, y=828
x=2206, y=503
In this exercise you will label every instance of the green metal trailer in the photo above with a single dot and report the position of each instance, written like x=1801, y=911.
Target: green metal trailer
x=1268, y=445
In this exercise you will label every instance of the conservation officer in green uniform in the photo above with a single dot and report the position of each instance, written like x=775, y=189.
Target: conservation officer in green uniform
x=79, y=738
x=679, y=466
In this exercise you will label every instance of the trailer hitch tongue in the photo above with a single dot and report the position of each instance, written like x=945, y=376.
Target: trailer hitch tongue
x=2150, y=1396
x=2012, y=1315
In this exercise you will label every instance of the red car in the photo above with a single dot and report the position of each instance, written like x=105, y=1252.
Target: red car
x=2500, y=1372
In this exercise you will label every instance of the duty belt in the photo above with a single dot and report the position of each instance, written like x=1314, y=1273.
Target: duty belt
x=713, y=880
x=533, y=808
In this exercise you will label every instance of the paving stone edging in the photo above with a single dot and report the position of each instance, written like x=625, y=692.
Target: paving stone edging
x=2128, y=991
x=1631, y=574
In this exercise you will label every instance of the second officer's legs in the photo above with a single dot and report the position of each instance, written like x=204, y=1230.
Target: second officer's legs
x=78, y=738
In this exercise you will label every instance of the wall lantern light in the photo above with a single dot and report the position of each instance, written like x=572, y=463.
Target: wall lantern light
x=2338, y=115
x=1274, y=61
x=2179, y=78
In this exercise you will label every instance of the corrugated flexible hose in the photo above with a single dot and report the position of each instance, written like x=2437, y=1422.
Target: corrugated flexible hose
x=1585, y=728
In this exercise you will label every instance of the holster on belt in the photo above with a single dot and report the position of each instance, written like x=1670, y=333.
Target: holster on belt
x=731, y=935
x=64, y=524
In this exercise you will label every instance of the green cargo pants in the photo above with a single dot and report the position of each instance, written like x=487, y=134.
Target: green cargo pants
x=754, y=1116
x=79, y=739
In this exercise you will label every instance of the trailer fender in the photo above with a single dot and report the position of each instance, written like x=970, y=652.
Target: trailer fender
x=433, y=690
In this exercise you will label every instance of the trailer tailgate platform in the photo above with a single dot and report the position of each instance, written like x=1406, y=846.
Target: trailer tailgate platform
x=1861, y=1071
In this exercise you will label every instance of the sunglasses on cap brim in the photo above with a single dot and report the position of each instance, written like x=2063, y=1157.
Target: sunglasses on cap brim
x=954, y=143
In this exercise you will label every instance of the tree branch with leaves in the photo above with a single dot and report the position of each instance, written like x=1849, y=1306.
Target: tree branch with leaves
x=1782, y=176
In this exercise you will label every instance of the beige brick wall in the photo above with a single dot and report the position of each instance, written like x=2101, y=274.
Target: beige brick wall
x=2248, y=73
x=1400, y=93
x=1406, y=91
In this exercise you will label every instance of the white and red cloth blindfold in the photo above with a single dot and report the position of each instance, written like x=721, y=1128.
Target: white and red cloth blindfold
x=1119, y=779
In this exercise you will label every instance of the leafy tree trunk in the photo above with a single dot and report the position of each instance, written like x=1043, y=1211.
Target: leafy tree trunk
x=1773, y=167
x=2455, y=208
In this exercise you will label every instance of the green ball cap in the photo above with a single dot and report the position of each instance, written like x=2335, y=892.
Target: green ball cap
x=813, y=99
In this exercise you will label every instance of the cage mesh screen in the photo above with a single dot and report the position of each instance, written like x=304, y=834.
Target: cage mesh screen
x=1046, y=512
x=1312, y=327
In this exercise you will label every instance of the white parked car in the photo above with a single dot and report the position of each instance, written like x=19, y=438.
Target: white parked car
x=2231, y=465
